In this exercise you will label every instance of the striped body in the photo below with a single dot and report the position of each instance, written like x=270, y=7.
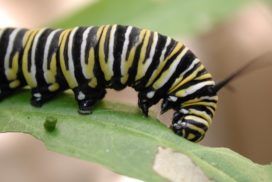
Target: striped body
x=90, y=59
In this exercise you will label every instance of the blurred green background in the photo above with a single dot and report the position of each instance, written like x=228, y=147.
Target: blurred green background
x=223, y=34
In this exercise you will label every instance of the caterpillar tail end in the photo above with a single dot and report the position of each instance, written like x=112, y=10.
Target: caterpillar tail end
x=4, y=94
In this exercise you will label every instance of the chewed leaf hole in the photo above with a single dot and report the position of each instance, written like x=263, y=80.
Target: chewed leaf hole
x=176, y=166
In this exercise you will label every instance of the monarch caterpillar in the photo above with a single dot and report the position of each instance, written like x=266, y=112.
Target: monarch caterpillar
x=90, y=59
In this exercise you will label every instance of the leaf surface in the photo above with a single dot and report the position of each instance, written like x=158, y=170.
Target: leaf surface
x=120, y=138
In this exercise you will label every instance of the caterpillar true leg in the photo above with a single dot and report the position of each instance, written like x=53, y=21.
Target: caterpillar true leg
x=146, y=99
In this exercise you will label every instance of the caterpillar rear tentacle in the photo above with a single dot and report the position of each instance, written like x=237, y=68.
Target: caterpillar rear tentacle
x=89, y=60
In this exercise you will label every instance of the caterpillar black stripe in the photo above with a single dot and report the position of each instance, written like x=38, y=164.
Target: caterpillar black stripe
x=90, y=59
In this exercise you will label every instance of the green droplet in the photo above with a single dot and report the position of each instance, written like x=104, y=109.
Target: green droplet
x=50, y=123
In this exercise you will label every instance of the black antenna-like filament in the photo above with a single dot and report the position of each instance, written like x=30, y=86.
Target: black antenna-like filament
x=244, y=70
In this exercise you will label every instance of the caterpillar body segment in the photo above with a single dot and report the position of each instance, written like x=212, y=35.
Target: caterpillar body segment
x=11, y=46
x=89, y=60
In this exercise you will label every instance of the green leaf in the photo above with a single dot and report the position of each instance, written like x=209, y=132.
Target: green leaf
x=121, y=138
x=170, y=17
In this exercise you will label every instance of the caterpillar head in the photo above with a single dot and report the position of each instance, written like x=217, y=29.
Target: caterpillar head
x=193, y=114
x=194, y=110
x=190, y=126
